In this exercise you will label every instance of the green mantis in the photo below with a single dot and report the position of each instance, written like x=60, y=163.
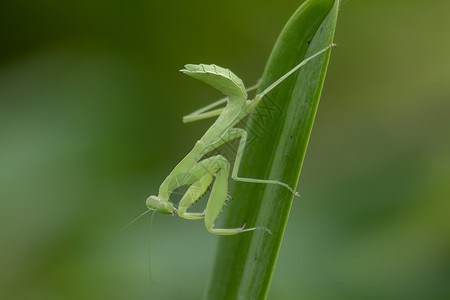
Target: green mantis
x=199, y=173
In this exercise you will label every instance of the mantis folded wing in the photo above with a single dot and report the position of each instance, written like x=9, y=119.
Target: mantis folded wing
x=199, y=173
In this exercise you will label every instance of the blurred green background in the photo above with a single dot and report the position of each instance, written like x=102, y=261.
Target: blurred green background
x=91, y=102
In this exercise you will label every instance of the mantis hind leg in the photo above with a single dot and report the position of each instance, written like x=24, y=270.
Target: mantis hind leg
x=205, y=112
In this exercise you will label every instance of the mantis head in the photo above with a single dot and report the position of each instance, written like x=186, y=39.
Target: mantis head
x=161, y=205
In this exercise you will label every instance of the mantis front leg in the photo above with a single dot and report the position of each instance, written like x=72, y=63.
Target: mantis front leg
x=205, y=170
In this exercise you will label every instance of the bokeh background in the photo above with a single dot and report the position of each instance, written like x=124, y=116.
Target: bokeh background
x=91, y=102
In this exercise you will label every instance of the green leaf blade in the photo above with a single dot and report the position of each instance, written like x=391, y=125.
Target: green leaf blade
x=279, y=132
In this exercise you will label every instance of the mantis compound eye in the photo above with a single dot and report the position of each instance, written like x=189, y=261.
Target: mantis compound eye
x=152, y=202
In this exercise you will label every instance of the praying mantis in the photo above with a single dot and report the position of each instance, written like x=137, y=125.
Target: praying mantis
x=199, y=173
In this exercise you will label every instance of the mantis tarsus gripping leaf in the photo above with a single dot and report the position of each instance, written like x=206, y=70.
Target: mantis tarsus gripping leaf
x=199, y=173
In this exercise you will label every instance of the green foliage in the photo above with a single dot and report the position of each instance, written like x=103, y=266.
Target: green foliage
x=279, y=132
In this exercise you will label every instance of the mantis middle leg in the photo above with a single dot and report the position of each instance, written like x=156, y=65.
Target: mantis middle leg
x=232, y=134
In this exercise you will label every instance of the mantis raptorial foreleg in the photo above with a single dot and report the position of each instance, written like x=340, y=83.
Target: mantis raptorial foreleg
x=219, y=167
x=198, y=172
x=204, y=171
